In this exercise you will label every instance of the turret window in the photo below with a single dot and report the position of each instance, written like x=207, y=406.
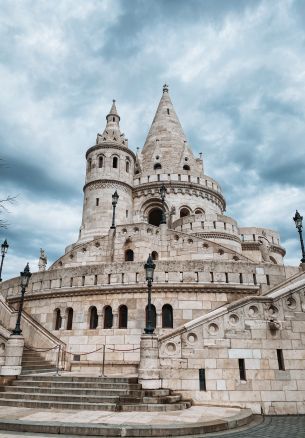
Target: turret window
x=186, y=167
x=127, y=166
x=100, y=161
x=184, y=212
x=115, y=162
x=113, y=119
x=108, y=317
x=129, y=255
x=157, y=166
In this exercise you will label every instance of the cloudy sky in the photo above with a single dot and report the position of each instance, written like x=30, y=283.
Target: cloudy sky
x=236, y=71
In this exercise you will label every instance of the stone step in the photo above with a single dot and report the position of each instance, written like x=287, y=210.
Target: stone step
x=37, y=366
x=58, y=405
x=26, y=372
x=167, y=399
x=80, y=379
x=34, y=362
x=76, y=391
x=60, y=398
x=147, y=407
x=50, y=383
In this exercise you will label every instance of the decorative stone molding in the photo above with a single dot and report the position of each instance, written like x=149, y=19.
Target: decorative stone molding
x=113, y=145
x=106, y=183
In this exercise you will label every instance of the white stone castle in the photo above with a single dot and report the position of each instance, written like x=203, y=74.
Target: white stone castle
x=229, y=317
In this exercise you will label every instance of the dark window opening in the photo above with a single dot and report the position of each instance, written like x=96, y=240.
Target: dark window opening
x=97, y=201
x=167, y=316
x=242, y=369
x=227, y=277
x=268, y=279
x=127, y=166
x=83, y=280
x=168, y=111
x=254, y=279
x=123, y=316
x=95, y=280
x=108, y=317
x=253, y=235
x=154, y=255
x=157, y=166
x=153, y=315
x=186, y=167
x=202, y=381
x=214, y=224
x=100, y=162
x=184, y=212
x=129, y=255
x=241, y=278
x=71, y=281
x=93, y=318
x=113, y=119
x=155, y=216
x=212, y=277
x=70, y=318
x=280, y=360
x=109, y=278
x=89, y=163
x=115, y=162
x=58, y=319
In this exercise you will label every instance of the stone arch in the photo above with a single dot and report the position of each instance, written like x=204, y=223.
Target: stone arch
x=69, y=315
x=151, y=204
x=154, y=315
x=154, y=255
x=167, y=316
x=93, y=318
x=123, y=316
x=57, y=319
x=185, y=211
x=108, y=317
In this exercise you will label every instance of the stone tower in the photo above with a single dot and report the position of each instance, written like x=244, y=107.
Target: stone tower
x=110, y=167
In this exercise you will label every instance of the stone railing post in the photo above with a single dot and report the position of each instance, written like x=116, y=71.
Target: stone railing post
x=13, y=356
x=149, y=367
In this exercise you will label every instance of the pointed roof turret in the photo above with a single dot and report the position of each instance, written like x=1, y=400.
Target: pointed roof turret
x=112, y=132
x=165, y=148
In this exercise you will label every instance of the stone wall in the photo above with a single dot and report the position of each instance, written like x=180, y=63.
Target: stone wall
x=251, y=353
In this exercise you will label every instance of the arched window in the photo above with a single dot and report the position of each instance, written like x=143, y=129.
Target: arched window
x=123, y=316
x=108, y=317
x=89, y=164
x=184, y=212
x=186, y=167
x=58, y=319
x=167, y=316
x=155, y=217
x=153, y=315
x=69, y=318
x=100, y=161
x=93, y=318
x=157, y=166
x=129, y=255
x=154, y=255
x=127, y=166
x=272, y=259
x=115, y=162
x=199, y=211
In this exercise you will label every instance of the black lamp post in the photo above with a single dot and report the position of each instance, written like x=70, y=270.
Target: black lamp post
x=162, y=194
x=115, y=198
x=149, y=268
x=24, y=282
x=4, y=248
x=298, y=219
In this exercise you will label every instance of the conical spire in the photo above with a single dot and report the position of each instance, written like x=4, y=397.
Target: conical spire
x=112, y=132
x=166, y=143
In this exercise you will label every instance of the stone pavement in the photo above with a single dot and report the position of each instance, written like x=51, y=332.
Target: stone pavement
x=195, y=420
x=270, y=427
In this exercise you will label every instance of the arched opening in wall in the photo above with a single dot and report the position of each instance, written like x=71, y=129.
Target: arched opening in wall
x=115, y=162
x=167, y=316
x=69, y=318
x=57, y=319
x=89, y=164
x=272, y=259
x=127, y=166
x=93, y=318
x=108, y=317
x=186, y=167
x=184, y=212
x=199, y=211
x=123, y=316
x=129, y=255
x=153, y=315
x=154, y=255
x=100, y=161
x=155, y=216
x=157, y=166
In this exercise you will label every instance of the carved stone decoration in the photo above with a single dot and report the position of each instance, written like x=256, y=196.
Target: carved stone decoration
x=264, y=247
x=213, y=329
x=274, y=325
x=43, y=260
x=192, y=338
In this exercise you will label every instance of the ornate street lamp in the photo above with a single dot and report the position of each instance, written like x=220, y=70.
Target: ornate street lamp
x=298, y=219
x=4, y=248
x=149, y=268
x=24, y=282
x=115, y=198
x=162, y=194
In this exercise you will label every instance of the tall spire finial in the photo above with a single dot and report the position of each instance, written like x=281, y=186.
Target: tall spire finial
x=165, y=88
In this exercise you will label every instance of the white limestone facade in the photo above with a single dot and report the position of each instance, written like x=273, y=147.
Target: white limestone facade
x=95, y=294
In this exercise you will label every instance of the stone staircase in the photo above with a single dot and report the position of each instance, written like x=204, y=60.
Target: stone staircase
x=33, y=363
x=88, y=393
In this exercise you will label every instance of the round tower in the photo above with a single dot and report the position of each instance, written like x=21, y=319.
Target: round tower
x=110, y=168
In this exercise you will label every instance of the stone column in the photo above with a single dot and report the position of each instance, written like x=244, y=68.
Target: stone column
x=13, y=356
x=115, y=320
x=159, y=320
x=149, y=367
